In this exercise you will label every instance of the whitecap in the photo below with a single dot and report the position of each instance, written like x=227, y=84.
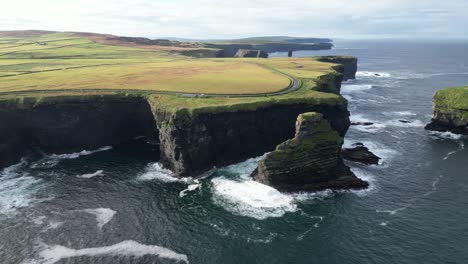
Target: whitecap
x=374, y=128
x=91, y=175
x=155, y=171
x=51, y=254
x=351, y=88
x=17, y=188
x=192, y=187
x=369, y=74
x=53, y=159
x=250, y=198
x=406, y=123
x=400, y=113
x=384, y=223
x=445, y=135
x=103, y=215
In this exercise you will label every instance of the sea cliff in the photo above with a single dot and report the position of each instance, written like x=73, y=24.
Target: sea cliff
x=194, y=134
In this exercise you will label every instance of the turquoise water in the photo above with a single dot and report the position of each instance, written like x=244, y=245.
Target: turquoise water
x=117, y=205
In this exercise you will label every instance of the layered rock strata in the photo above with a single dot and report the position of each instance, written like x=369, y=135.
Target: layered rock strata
x=311, y=161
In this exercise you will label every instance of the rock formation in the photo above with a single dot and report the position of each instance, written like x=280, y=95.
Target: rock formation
x=450, y=111
x=310, y=161
x=360, y=153
x=245, y=53
x=349, y=65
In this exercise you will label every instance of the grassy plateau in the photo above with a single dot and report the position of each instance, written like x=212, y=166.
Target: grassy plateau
x=51, y=64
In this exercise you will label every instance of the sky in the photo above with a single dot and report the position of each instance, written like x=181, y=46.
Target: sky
x=210, y=19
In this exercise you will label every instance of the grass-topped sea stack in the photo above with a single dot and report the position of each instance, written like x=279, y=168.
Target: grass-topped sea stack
x=310, y=161
x=450, y=109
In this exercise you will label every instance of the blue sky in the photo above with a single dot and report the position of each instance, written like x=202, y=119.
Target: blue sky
x=243, y=18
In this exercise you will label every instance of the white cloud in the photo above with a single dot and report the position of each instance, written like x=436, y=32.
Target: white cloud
x=228, y=19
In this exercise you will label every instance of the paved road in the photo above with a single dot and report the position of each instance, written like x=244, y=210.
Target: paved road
x=293, y=86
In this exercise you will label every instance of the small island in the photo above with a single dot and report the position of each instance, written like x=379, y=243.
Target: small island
x=76, y=91
x=450, y=111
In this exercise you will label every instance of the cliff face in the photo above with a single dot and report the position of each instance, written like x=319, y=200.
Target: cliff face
x=191, y=144
x=71, y=124
x=310, y=161
x=450, y=111
x=192, y=140
x=349, y=65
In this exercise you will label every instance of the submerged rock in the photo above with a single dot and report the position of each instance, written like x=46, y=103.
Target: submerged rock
x=404, y=121
x=359, y=153
x=450, y=111
x=246, y=53
x=362, y=123
x=311, y=161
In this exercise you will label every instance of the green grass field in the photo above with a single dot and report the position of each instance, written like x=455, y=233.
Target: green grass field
x=64, y=61
x=452, y=98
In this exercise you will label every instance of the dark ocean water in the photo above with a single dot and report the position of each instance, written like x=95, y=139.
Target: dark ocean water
x=119, y=206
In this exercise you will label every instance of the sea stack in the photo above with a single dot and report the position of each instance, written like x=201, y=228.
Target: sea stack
x=450, y=111
x=311, y=161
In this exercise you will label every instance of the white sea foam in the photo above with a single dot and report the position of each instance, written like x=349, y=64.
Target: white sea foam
x=374, y=128
x=51, y=254
x=103, y=215
x=351, y=88
x=384, y=223
x=243, y=196
x=53, y=159
x=155, y=171
x=17, y=189
x=369, y=74
x=406, y=123
x=250, y=198
x=192, y=187
x=91, y=175
x=400, y=113
x=445, y=135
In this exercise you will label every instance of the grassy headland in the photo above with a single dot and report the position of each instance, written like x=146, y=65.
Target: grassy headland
x=52, y=64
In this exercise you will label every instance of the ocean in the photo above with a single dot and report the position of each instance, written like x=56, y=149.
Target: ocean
x=117, y=204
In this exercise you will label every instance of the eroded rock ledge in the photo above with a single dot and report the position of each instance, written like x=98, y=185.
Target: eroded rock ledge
x=311, y=161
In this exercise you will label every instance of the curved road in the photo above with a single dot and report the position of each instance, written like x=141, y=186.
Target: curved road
x=293, y=86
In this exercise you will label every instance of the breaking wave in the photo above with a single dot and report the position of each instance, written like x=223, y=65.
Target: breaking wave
x=103, y=215
x=155, y=171
x=367, y=74
x=351, y=88
x=445, y=135
x=54, y=159
x=242, y=195
x=17, y=188
x=51, y=254
x=91, y=175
